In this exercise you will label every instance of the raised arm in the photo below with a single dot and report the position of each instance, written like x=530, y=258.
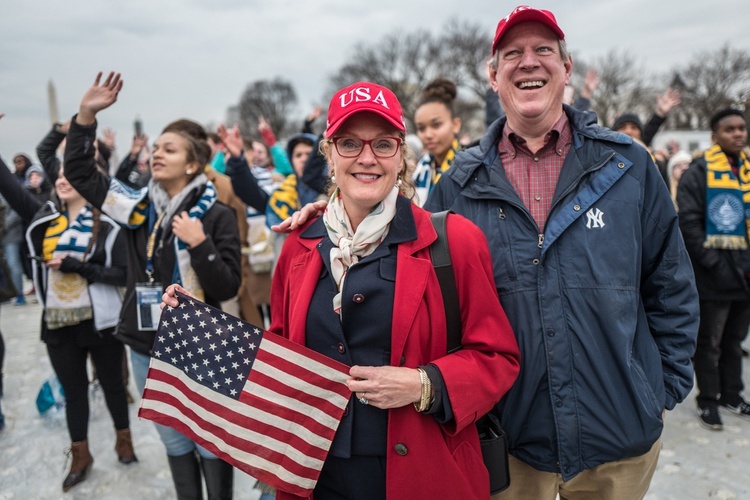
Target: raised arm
x=80, y=166
x=46, y=151
x=244, y=183
x=19, y=199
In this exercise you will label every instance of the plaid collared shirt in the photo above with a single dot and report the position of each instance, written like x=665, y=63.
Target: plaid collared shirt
x=534, y=175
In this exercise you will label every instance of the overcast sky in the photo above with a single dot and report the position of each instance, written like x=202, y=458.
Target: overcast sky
x=193, y=58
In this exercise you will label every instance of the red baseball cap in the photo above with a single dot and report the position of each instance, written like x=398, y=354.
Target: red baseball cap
x=364, y=96
x=524, y=13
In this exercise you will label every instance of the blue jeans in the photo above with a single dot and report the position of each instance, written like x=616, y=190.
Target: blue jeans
x=175, y=442
x=13, y=259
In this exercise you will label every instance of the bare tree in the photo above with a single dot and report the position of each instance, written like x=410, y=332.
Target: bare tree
x=715, y=80
x=273, y=99
x=407, y=62
x=623, y=87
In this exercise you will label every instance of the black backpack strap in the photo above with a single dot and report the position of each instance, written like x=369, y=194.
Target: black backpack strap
x=441, y=260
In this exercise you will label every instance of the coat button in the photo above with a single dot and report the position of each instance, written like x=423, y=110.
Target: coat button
x=621, y=165
x=346, y=410
x=341, y=348
x=550, y=333
x=402, y=361
x=401, y=449
x=211, y=257
x=358, y=298
x=576, y=207
x=535, y=262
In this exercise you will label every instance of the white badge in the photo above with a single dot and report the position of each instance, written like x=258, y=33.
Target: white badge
x=148, y=299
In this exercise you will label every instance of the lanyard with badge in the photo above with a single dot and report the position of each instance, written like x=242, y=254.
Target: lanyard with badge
x=148, y=295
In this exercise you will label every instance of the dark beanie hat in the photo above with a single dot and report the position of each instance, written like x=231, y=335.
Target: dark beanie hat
x=628, y=118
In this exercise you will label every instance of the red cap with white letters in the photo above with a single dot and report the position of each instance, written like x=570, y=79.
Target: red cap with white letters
x=364, y=96
x=524, y=13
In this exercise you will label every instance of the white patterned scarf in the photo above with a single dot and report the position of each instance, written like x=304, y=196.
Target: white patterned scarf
x=67, y=297
x=352, y=246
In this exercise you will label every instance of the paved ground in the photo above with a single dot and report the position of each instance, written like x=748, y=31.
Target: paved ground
x=695, y=463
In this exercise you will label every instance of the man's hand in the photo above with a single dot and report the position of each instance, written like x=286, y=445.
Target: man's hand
x=98, y=97
x=309, y=211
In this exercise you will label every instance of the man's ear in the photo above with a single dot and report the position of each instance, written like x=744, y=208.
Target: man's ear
x=492, y=77
x=568, y=69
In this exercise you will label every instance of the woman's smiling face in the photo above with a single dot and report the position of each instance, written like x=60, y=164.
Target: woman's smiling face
x=365, y=180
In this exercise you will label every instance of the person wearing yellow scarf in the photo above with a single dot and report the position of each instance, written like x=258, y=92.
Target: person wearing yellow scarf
x=714, y=200
x=437, y=128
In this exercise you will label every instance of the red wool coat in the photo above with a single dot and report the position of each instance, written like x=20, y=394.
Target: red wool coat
x=440, y=461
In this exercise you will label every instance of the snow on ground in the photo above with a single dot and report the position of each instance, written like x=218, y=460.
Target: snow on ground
x=695, y=463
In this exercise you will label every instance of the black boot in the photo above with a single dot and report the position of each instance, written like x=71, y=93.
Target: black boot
x=186, y=475
x=219, y=477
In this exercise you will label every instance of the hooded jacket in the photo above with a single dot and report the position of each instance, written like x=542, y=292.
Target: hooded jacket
x=603, y=303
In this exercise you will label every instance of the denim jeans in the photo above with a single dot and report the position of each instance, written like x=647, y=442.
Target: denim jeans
x=13, y=259
x=175, y=442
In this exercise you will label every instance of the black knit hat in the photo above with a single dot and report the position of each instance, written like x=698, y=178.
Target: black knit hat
x=628, y=118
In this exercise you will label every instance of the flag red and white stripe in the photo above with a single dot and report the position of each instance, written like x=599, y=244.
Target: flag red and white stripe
x=266, y=405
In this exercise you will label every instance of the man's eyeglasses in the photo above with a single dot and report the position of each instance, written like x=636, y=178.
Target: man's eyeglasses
x=382, y=147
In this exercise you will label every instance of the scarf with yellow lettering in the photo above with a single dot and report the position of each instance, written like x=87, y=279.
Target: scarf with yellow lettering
x=67, y=299
x=427, y=173
x=727, y=201
x=289, y=197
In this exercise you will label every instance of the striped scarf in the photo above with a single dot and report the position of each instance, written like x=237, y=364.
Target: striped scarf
x=67, y=296
x=727, y=201
x=427, y=173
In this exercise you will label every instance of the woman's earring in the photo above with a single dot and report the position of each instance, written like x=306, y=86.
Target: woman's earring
x=333, y=179
x=399, y=182
x=188, y=172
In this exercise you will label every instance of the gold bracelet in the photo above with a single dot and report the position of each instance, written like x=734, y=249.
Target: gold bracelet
x=426, y=398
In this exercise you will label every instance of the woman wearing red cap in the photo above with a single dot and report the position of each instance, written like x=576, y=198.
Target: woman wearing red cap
x=357, y=285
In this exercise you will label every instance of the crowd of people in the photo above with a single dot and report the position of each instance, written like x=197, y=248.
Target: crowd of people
x=588, y=306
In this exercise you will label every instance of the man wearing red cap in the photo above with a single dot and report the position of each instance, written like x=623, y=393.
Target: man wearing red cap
x=591, y=271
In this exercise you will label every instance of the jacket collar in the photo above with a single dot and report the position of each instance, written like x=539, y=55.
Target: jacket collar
x=583, y=123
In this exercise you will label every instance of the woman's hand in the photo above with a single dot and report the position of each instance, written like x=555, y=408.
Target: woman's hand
x=309, y=211
x=54, y=263
x=385, y=386
x=231, y=139
x=168, y=298
x=188, y=229
x=98, y=97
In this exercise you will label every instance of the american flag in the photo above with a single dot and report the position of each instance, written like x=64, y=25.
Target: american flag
x=266, y=405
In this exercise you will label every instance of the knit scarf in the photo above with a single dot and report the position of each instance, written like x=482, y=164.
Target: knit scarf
x=67, y=296
x=427, y=172
x=284, y=201
x=289, y=197
x=183, y=272
x=727, y=201
x=352, y=246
